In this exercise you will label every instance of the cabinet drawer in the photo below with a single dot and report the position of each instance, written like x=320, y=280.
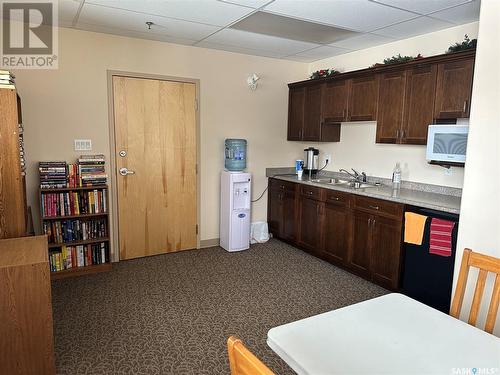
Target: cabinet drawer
x=333, y=196
x=276, y=184
x=311, y=192
x=378, y=206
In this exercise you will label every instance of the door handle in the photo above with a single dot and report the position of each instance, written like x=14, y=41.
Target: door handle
x=124, y=171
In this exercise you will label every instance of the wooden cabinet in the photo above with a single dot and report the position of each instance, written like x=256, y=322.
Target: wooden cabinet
x=454, y=89
x=391, y=96
x=359, y=233
x=310, y=218
x=26, y=307
x=335, y=228
x=363, y=101
x=385, y=251
x=13, y=206
x=312, y=113
x=335, y=97
x=296, y=100
x=419, y=104
x=281, y=209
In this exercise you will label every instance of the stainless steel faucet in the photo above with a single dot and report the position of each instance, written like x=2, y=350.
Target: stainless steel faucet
x=361, y=177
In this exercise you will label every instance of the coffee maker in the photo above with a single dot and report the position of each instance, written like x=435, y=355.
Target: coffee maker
x=311, y=161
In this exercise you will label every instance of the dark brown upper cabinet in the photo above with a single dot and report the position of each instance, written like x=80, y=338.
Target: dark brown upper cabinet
x=419, y=104
x=296, y=98
x=363, y=101
x=391, y=96
x=453, y=91
x=312, y=113
x=335, y=97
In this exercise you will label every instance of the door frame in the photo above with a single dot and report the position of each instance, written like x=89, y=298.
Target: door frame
x=114, y=220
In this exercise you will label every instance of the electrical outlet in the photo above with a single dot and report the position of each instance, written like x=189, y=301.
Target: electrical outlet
x=448, y=171
x=83, y=145
x=329, y=158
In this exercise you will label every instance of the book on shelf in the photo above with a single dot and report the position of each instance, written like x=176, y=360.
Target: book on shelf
x=72, y=203
x=91, y=170
x=52, y=174
x=68, y=257
x=60, y=231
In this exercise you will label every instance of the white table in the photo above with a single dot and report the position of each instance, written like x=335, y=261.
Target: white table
x=392, y=334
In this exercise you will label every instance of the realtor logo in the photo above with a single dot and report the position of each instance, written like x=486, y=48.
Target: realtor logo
x=29, y=34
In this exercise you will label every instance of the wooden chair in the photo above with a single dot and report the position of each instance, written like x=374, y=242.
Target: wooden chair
x=486, y=264
x=242, y=361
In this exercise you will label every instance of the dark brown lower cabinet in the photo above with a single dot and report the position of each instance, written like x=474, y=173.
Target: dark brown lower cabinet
x=359, y=233
x=336, y=232
x=386, y=250
x=360, y=251
x=310, y=224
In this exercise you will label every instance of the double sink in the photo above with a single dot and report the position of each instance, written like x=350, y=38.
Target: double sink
x=354, y=184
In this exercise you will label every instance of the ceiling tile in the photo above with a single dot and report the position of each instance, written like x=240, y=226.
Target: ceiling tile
x=204, y=11
x=67, y=11
x=132, y=21
x=246, y=51
x=461, y=14
x=134, y=34
x=319, y=53
x=422, y=6
x=259, y=42
x=359, y=15
x=362, y=41
x=248, y=3
x=417, y=26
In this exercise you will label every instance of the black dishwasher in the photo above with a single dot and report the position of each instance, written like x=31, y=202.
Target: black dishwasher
x=426, y=277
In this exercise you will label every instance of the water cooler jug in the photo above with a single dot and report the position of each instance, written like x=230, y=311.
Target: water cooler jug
x=235, y=210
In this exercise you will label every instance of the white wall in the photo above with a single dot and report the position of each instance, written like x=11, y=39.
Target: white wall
x=357, y=147
x=72, y=102
x=479, y=218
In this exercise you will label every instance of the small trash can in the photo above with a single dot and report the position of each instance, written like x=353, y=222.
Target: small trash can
x=259, y=232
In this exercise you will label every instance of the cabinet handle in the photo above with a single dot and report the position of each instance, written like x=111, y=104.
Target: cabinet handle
x=369, y=221
x=373, y=222
x=282, y=187
x=310, y=192
x=374, y=207
x=300, y=134
x=335, y=198
x=403, y=134
x=397, y=134
x=465, y=106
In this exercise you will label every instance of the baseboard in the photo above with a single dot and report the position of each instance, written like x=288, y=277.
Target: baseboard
x=209, y=243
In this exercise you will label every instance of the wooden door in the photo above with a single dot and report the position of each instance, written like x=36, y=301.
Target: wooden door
x=296, y=98
x=419, y=107
x=363, y=94
x=289, y=218
x=155, y=125
x=391, y=99
x=310, y=224
x=386, y=251
x=275, y=211
x=361, y=242
x=454, y=89
x=312, y=113
x=336, y=232
x=335, y=96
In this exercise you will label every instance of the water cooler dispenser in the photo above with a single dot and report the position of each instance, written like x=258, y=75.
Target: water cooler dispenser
x=235, y=210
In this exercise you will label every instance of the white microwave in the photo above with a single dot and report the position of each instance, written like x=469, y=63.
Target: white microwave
x=447, y=143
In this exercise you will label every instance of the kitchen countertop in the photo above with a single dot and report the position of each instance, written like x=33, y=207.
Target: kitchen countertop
x=434, y=201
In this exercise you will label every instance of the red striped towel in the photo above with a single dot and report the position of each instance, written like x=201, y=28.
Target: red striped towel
x=440, y=242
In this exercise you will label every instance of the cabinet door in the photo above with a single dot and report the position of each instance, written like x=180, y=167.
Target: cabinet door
x=362, y=105
x=386, y=251
x=296, y=97
x=335, y=232
x=391, y=95
x=275, y=212
x=419, y=107
x=360, y=249
x=312, y=113
x=334, y=106
x=453, y=90
x=310, y=224
x=289, y=226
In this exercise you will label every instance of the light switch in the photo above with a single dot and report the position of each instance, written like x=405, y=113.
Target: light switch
x=83, y=145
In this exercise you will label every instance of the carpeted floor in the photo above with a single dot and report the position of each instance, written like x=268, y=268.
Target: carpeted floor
x=172, y=314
